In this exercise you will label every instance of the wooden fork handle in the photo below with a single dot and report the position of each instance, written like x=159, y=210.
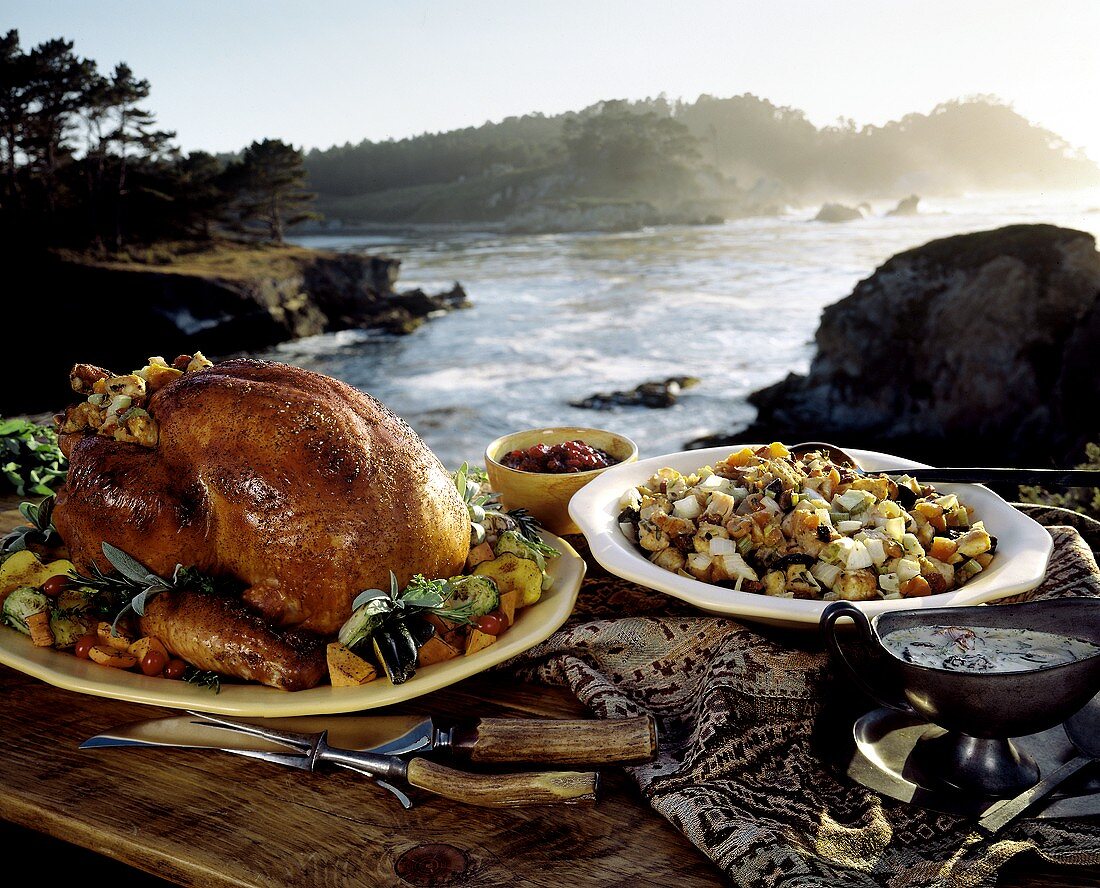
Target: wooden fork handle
x=559, y=741
x=504, y=790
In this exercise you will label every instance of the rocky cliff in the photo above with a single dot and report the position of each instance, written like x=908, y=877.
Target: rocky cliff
x=975, y=349
x=221, y=301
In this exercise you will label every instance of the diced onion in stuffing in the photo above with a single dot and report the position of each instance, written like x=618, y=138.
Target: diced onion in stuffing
x=907, y=569
x=895, y=528
x=858, y=557
x=889, y=582
x=688, y=507
x=719, y=546
x=877, y=550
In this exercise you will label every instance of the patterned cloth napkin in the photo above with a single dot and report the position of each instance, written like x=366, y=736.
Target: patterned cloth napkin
x=745, y=714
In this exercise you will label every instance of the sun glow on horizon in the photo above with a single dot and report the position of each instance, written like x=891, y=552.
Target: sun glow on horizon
x=225, y=74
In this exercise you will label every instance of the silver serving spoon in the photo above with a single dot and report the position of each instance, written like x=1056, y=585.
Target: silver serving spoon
x=1043, y=477
x=1084, y=730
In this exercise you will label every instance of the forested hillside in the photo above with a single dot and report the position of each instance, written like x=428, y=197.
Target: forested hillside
x=740, y=154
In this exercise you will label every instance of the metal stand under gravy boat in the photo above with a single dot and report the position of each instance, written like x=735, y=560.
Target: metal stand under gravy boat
x=980, y=711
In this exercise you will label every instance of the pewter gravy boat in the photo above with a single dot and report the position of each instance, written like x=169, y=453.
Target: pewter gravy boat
x=980, y=711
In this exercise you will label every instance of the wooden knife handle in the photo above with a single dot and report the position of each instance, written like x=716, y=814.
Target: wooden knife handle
x=504, y=790
x=559, y=741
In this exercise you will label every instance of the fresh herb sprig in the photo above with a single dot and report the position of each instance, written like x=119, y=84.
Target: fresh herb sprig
x=421, y=595
x=30, y=459
x=203, y=678
x=471, y=482
x=134, y=585
x=38, y=529
x=373, y=609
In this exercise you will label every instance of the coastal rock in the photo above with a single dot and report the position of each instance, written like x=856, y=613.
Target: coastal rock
x=420, y=304
x=649, y=394
x=972, y=350
x=907, y=206
x=116, y=315
x=834, y=212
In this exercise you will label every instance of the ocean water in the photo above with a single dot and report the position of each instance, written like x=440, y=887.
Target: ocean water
x=559, y=317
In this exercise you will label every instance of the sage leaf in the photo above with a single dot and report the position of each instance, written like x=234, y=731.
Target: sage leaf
x=128, y=566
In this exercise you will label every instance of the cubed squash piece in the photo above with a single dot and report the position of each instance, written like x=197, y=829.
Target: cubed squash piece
x=108, y=638
x=917, y=587
x=109, y=656
x=512, y=573
x=740, y=458
x=435, y=650
x=478, y=554
x=144, y=645
x=39, y=626
x=478, y=640
x=347, y=669
x=942, y=548
x=508, y=602
x=447, y=630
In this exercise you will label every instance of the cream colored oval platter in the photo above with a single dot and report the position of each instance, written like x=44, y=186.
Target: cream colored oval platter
x=1020, y=564
x=533, y=624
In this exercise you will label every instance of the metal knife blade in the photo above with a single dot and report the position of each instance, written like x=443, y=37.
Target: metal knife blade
x=387, y=734
x=492, y=740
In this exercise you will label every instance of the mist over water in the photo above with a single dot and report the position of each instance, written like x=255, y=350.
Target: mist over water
x=558, y=317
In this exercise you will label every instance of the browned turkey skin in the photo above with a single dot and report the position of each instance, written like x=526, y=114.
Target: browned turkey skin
x=305, y=489
x=223, y=635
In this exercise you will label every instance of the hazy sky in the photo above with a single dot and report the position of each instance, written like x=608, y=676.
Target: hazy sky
x=225, y=72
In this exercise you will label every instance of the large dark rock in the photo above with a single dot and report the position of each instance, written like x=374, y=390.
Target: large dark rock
x=117, y=316
x=656, y=394
x=834, y=212
x=975, y=349
x=907, y=206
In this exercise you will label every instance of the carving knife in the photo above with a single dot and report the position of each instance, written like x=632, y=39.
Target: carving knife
x=550, y=741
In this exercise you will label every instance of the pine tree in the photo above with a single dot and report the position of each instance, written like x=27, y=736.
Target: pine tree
x=14, y=103
x=55, y=90
x=272, y=182
x=201, y=195
x=132, y=133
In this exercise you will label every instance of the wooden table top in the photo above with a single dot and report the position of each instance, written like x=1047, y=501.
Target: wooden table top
x=210, y=819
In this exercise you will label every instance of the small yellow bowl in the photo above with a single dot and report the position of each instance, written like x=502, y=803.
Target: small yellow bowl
x=546, y=495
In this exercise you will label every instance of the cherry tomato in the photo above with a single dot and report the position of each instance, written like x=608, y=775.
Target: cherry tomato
x=154, y=663
x=84, y=644
x=55, y=585
x=492, y=624
x=175, y=669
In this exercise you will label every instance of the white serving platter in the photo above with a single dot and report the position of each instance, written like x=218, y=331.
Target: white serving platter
x=1023, y=546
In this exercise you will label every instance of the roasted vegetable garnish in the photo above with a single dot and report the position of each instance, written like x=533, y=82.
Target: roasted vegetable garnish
x=512, y=573
x=347, y=669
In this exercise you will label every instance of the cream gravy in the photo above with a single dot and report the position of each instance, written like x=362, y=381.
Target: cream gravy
x=985, y=648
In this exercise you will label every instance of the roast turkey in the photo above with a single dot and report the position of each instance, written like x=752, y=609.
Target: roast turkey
x=303, y=488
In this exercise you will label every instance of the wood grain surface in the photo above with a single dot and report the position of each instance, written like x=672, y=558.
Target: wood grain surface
x=565, y=741
x=202, y=818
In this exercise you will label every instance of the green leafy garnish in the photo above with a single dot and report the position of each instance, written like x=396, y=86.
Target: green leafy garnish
x=471, y=481
x=420, y=594
x=528, y=526
x=203, y=678
x=38, y=529
x=134, y=585
x=30, y=459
